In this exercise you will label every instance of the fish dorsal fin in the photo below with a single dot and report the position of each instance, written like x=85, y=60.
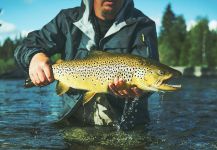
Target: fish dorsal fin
x=61, y=88
x=59, y=61
x=88, y=96
x=98, y=53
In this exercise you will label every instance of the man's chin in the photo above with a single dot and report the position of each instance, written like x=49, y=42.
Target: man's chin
x=108, y=9
x=108, y=13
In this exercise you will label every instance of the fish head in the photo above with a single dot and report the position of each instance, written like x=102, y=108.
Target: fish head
x=159, y=77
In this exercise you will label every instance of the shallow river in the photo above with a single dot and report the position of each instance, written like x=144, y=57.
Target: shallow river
x=181, y=120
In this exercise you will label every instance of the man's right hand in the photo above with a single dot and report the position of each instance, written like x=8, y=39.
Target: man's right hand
x=40, y=70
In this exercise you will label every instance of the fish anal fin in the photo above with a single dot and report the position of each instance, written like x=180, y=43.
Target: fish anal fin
x=88, y=96
x=61, y=88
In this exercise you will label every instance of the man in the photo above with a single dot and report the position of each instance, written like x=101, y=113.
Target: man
x=108, y=25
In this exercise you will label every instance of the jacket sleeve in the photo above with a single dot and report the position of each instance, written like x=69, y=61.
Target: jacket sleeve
x=152, y=43
x=49, y=40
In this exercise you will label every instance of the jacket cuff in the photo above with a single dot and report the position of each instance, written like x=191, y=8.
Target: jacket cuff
x=30, y=53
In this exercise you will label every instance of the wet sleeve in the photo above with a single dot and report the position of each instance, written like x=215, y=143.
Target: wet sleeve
x=49, y=40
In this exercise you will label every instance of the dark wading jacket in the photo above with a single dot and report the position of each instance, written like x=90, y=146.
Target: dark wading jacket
x=73, y=34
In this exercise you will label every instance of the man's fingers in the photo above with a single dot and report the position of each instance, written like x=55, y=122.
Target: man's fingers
x=39, y=77
x=42, y=77
x=118, y=88
x=116, y=81
x=48, y=73
x=136, y=91
x=129, y=93
x=32, y=78
x=40, y=70
x=119, y=83
x=35, y=79
x=121, y=93
x=121, y=88
x=113, y=89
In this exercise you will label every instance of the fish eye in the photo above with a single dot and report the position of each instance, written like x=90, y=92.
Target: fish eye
x=160, y=72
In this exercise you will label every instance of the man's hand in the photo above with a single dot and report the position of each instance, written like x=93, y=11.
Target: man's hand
x=117, y=89
x=40, y=70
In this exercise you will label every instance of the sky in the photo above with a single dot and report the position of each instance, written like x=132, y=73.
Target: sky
x=18, y=17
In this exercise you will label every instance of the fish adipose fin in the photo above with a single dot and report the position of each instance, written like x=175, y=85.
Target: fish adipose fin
x=88, y=96
x=61, y=88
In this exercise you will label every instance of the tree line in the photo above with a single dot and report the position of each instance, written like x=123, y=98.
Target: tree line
x=7, y=62
x=177, y=46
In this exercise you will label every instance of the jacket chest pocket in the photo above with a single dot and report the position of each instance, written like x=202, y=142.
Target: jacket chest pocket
x=140, y=46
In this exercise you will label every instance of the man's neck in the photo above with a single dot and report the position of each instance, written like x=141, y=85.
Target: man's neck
x=103, y=25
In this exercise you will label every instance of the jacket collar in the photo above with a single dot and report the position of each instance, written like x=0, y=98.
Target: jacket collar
x=86, y=26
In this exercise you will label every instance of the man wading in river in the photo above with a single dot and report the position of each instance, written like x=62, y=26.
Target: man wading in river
x=108, y=25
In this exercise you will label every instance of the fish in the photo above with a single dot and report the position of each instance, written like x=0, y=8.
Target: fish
x=94, y=73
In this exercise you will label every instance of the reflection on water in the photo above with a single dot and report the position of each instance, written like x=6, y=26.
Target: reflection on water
x=26, y=116
x=180, y=120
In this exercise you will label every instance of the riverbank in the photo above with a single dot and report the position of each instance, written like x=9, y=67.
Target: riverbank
x=197, y=71
x=15, y=73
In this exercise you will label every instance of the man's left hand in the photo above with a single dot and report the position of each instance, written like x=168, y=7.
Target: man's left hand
x=116, y=88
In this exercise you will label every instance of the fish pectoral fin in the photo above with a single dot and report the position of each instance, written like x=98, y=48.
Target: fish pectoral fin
x=61, y=88
x=88, y=96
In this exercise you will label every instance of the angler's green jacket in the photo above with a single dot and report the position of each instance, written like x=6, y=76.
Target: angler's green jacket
x=72, y=34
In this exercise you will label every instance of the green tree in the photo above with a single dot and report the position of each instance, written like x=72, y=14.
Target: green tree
x=6, y=55
x=184, y=53
x=178, y=40
x=7, y=49
x=199, y=37
x=172, y=37
x=211, y=49
x=165, y=49
x=167, y=22
x=7, y=62
x=167, y=53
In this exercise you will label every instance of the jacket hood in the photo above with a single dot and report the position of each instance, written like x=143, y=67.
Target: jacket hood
x=85, y=25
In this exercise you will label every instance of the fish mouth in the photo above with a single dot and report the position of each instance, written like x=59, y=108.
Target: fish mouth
x=169, y=87
x=169, y=84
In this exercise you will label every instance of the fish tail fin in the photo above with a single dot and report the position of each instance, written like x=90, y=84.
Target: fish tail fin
x=28, y=83
x=88, y=96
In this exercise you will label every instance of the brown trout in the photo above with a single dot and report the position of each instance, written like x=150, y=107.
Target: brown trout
x=98, y=69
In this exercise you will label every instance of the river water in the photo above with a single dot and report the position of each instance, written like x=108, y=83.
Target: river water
x=186, y=119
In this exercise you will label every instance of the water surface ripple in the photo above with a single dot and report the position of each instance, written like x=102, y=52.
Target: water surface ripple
x=181, y=120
